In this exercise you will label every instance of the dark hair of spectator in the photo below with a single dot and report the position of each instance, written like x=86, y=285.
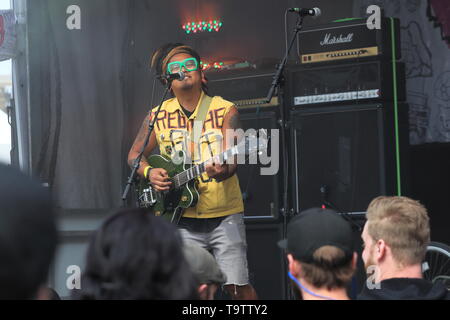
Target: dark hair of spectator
x=28, y=235
x=135, y=255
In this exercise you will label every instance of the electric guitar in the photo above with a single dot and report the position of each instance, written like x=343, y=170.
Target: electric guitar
x=183, y=192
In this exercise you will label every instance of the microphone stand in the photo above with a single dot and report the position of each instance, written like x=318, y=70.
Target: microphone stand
x=137, y=161
x=327, y=203
x=343, y=214
x=277, y=83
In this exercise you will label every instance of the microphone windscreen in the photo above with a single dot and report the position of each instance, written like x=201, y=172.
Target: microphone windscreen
x=317, y=12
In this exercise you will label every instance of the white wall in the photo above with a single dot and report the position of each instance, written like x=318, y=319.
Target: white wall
x=5, y=138
x=5, y=129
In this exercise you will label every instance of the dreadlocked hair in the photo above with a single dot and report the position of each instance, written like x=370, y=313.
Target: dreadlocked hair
x=162, y=56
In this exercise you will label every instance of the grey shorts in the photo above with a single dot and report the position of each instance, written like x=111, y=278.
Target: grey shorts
x=227, y=242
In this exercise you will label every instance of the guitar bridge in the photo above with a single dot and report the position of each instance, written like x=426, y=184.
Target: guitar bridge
x=147, y=198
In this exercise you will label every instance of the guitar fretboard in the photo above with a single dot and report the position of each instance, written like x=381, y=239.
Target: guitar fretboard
x=195, y=171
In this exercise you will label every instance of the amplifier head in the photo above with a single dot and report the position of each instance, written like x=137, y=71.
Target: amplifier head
x=246, y=89
x=346, y=40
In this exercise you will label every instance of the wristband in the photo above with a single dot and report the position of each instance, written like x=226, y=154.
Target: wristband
x=146, y=171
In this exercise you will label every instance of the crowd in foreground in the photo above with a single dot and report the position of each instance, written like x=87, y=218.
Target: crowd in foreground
x=135, y=255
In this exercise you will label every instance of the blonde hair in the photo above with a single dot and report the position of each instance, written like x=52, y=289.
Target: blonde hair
x=403, y=224
x=331, y=268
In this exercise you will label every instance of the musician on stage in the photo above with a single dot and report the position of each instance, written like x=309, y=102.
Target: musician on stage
x=216, y=222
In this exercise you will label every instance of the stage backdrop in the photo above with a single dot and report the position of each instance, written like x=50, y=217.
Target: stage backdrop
x=90, y=83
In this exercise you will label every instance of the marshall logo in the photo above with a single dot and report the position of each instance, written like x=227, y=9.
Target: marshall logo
x=328, y=40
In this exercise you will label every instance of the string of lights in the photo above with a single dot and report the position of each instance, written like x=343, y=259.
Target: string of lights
x=202, y=26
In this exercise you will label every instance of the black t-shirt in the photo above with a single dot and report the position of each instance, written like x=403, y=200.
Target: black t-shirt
x=187, y=112
x=406, y=289
x=204, y=225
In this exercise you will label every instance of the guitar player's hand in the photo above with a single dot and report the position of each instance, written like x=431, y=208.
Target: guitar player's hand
x=159, y=179
x=217, y=171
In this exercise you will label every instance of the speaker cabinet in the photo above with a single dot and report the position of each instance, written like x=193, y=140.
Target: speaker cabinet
x=266, y=261
x=346, y=155
x=260, y=192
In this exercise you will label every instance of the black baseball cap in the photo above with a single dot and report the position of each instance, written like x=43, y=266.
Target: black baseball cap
x=315, y=228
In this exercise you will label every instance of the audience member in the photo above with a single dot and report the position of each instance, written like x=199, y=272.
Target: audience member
x=47, y=293
x=205, y=268
x=136, y=256
x=320, y=253
x=28, y=235
x=395, y=237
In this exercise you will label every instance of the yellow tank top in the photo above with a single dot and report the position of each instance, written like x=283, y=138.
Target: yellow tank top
x=173, y=129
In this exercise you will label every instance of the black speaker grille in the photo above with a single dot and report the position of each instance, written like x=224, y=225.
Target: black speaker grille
x=342, y=150
x=260, y=192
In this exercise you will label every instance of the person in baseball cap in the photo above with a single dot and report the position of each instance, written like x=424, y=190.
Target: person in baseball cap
x=205, y=269
x=321, y=255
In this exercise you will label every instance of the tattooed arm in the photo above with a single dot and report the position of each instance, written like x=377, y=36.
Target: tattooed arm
x=231, y=122
x=158, y=177
x=137, y=146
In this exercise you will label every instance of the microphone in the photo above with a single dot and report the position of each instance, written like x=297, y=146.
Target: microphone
x=314, y=12
x=173, y=76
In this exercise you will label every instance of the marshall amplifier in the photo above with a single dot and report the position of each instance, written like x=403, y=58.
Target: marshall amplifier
x=349, y=40
x=247, y=89
x=259, y=192
x=346, y=82
x=344, y=156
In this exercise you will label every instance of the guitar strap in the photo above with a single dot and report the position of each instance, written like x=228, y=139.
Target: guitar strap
x=200, y=118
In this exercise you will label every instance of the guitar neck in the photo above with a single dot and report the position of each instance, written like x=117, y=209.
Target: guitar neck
x=195, y=171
